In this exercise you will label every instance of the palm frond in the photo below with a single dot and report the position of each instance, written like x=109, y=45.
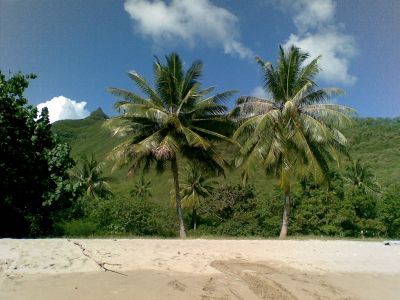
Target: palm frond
x=127, y=95
x=213, y=134
x=247, y=126
x=194, y=139
x=145, y=87
x=191, y=77
x=332, y=114
x=247, y=106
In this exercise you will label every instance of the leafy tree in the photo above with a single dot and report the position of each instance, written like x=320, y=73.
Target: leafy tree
x=174, y=120
x=34, y=186
x=389, y=212
x=195, y=186
x=89, y=179
x=331, y=209
x=322, y=209
x=295, y=134
x=231, y=210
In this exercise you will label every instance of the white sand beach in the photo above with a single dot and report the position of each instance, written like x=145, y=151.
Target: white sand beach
x=197, y=269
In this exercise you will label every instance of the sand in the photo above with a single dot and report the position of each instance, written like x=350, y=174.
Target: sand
x=197, y=269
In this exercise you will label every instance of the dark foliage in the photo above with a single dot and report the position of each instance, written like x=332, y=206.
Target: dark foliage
x=34, y=187
x=388, y=210
x=230, y=210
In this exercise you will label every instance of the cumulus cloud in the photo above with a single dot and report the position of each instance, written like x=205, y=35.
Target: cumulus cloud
x=318, y=34
x=313, y=14
x=190, y=21
x=61, y=108
x=259, y=92
x=335, y=49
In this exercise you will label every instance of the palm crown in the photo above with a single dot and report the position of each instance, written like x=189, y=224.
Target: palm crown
x=360, y=177
x=195, y=186
x=88, y=176
x=296, y=130
x=175, y=119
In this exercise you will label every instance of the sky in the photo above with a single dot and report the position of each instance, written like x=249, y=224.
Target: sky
x=78, y=49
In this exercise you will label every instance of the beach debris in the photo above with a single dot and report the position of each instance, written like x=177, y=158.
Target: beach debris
x=391, y=243
x=100, y=264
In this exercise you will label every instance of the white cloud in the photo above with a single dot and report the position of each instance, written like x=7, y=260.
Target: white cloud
x=336, y=51
x=312, y=14
x=61, y=108
x=190, y=21
x=259, y=92
x=318, y=34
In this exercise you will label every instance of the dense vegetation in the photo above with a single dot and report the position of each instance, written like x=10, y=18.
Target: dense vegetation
x=35, y=191
x=359, y=198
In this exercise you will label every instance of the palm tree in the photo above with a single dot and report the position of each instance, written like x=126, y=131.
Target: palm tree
x=360, y=177
x=142, y=188
x=88, y=177
x=194, y=187
x=295, y=134
x=175, y=120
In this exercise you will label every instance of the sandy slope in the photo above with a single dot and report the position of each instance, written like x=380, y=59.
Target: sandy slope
x=198, y=269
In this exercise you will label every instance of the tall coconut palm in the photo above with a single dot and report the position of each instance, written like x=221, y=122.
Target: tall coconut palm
x=172, y=121
x=294, y=134
x=195, y=186
x=88, y=177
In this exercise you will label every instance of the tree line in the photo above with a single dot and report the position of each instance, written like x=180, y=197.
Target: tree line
x=295, y=136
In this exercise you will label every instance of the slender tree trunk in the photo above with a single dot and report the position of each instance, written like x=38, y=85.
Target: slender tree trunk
x=174, y=167
x=286, y=214
x=194, y=216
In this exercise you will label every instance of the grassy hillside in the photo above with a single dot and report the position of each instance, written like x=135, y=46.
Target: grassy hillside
x=375, y=141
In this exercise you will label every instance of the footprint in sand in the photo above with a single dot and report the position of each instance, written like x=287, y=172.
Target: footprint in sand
x=177, y=285
x=210, y=285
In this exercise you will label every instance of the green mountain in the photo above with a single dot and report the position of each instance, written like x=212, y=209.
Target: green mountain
x=375, y=141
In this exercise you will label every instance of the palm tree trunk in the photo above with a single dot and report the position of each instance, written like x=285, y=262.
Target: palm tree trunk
x=286, y=213
x=174, y=167
x=194, y=216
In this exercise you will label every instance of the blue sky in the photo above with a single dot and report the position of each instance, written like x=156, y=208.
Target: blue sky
x=80, y=48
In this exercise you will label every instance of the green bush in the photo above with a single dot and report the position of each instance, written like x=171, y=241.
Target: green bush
x=203, y=231
x=241, y=224
x=230, y=211
x=315, y=213
x=269, y=213
x=335, y=211
x=79, y=228
x=135, y=216
x=389, y=211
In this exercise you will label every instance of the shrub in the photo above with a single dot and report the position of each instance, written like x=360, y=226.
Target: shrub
x=389, y=211
x=269, y=213
x=79, y=228
x=135, y=216
x=231, y=210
